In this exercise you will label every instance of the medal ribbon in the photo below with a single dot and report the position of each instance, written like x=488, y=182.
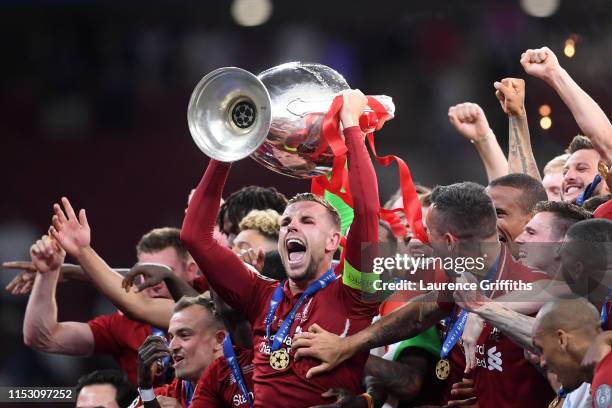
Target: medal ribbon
x=456, y=330
x=232, y=362
x=588, y=191
x=187, y=392
x=277, y=297
x=604, y=311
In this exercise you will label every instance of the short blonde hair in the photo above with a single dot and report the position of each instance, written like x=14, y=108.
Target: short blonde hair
x=266, y=222
x=556, y=165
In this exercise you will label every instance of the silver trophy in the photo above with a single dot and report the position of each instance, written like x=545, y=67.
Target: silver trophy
x=275, y=117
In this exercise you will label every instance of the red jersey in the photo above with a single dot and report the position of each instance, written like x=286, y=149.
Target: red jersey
x=173, y=390
x=503, y=378
x=601, y=386
x=120, y=337
x=339, y=308
x=217, y=388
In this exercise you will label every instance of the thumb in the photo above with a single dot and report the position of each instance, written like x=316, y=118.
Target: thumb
x=321, y=368
x=315, y=328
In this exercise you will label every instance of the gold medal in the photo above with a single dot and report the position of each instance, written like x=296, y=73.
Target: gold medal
x=442, y=369
x=279, y=360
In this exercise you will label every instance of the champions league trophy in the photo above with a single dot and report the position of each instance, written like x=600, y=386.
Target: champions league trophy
x=277, y=117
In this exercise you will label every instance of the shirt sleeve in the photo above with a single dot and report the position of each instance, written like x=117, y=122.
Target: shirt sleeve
x=364, y=229
x=224, y=271
x=103, y=331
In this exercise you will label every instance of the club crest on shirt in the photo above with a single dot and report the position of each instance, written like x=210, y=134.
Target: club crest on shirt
x=603, y=396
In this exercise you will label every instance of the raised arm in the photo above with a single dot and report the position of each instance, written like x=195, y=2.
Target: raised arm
x=470, y=121
x=511, y=95
x=224, y=270
x=362, y=180
x=543, y=63
x=154, y=274
x=41, y=330
x=74, y=236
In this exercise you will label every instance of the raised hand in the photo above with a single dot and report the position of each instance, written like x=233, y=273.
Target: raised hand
x=47, y=255
x=541, y=63
x=152, y=275
x=511, y=95
x=71, y=232
x=353, y=106
x=469, y=120
x=22, y=283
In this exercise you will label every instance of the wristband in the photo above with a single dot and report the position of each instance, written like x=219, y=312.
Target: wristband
x=483, y=138
x=368, y=398
x=147, y=394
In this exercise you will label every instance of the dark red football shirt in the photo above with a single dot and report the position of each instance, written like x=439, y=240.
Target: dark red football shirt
x=217, y=388
x=601, y=386
x=121, y=338
x=503, y=378
x=337, y=308
x=172, y=390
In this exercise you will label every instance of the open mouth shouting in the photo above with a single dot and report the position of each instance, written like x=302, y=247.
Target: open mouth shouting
x=296, y=251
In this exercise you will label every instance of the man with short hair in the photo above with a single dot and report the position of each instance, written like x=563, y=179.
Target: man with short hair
x=539, y=241
x=461, y=224
x=197, y=334
x=116, y=334
x=309, y=236
x=514, y=197
x=562, y=332
x=580, y=170
x=104, y=389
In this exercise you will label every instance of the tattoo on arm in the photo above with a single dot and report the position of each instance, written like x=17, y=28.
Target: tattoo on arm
x=421, y=313
x=515, y=325
x=520, y=154
x=402, y=379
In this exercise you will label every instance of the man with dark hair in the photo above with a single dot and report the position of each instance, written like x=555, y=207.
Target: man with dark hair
x=562, y=333
x=514, y=196
x=197, y=333
x=104, y=389
x=581, y=169
x=539, y=241
x=241, y=202
x=309, y=236
x=585, y=259
x=503, y=378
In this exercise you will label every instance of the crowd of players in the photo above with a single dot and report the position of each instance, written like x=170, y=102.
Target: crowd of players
x=247, y=305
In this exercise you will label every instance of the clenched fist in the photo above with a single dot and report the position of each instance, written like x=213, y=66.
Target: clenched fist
x=511, y=95
x=469, y=120
x=541, y=63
